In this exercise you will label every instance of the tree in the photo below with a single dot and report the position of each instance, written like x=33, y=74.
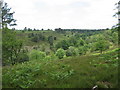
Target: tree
x=73, y=41
x=11, y=47
x=50, y=40
x=25, y=29
x=60, y=53
x=1, y=2
x=65, y=44
x=7, y=16
x=101, y=45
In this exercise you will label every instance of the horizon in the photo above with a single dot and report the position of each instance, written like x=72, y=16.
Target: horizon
x=36, y=29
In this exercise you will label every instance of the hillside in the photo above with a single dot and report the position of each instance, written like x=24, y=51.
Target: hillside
x=50, y=59
x=35, y=56
x=73, y=72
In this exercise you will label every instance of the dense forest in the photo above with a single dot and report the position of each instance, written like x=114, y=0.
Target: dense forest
x=60, y=58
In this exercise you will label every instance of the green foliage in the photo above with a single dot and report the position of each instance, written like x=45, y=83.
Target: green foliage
x=73, y=41
x=50, y=40
x=82, y=42
x=82, y=50
x=64, y=44
x=46, y=71
x=70, y=72
x=101, y=45
x=37, y=55
x=30, y=35
x=60, y=53
x=11, y=47
x=72, y=51
x=36, y=37
x=23, y=57
x=115, y=37
x=61, y=75
x=21, y=76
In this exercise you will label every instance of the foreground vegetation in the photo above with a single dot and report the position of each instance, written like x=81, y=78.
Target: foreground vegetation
x=72, y=62
x=74, y=72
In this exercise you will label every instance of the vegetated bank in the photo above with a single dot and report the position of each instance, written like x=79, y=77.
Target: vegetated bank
x=60, y=59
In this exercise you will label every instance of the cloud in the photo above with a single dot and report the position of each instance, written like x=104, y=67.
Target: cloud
x=63, y=13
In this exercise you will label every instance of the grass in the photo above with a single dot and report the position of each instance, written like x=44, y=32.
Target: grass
x=73, y=72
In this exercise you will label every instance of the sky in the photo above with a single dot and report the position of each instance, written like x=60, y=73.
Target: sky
x=66, y=14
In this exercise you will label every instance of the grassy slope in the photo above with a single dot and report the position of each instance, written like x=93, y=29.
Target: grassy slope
x=73, y=72
x=29, y=44
x=27, y=41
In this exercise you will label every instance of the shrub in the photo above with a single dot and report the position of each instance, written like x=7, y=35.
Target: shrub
x=82, y=50
x=72, y=41
x=22, y=57
x=38, y=55
x=60, y=53
x=72, y=51
x=64, y=44
x=35, y=39
x=55, y=38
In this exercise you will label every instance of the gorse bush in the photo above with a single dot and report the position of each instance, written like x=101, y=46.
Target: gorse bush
x=60, y=53
x=37, y=55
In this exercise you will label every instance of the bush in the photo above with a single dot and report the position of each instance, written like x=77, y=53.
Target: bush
x=72, y=41
x=72, y=51
x=38, y=55
x=64, y=44
x=35, y=39
x=82, y=50
x=60, y=53
x=22, y=57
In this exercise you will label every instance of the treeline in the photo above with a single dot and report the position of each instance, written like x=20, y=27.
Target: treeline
x=79, y=30
x=29, y=29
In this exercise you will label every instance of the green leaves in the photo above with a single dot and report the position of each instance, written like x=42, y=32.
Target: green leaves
x=11, y=47
x=37, y=55
x=62, y=74
x=101, y=45
x=60, y=53
x=72, y=51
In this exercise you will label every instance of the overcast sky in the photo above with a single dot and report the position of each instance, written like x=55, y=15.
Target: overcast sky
x=77, y=14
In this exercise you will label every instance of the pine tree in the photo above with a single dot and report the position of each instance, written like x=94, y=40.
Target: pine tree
x=7, y=16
